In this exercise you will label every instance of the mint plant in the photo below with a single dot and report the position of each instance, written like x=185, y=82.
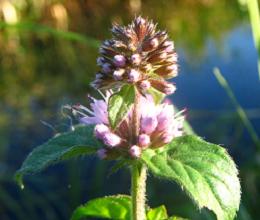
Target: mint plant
x=133, y=125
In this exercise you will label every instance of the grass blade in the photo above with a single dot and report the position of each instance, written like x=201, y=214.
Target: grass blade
x=43, y=29
x=240, y=111
x=253, y=9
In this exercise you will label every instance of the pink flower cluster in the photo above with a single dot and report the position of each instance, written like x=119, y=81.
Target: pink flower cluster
x=159, y=124
x=137, y=54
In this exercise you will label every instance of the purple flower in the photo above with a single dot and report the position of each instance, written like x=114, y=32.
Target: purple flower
x=145, y=54
x=133, y=75
x=165, y=116
x=118, y=74
x=100, y=61
x=159, y=124
x=111, y=140
x=96, y=114
x=154, y=43
x=99, y=76
x=106, y=68
x=119, y=60
x=144, y=140
x=136, y=59
x=148, y=124
x=100, y=130
x=135, y=151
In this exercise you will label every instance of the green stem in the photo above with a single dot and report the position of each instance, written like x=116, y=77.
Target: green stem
x=138, y=192
x=138, y=182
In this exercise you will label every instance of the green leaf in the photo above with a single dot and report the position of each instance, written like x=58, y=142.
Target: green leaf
x=117, y=166
x=61, y=147
x=110, y=207
x=119, y=104
x=176, y=218
x=157, y=95
x=204, y=170
x=158, y=213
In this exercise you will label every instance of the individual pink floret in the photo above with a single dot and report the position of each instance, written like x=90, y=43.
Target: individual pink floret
x=135, y=151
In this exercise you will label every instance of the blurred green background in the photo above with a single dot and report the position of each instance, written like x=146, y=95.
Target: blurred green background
x=48, y=51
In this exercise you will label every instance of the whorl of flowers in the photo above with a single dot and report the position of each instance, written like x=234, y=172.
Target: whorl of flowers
x=137, y=54
x=158, y=126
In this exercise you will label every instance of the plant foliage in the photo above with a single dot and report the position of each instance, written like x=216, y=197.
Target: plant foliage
x=204, y=170
x=79, y=142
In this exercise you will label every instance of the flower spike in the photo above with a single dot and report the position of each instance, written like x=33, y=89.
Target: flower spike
x=137, y=54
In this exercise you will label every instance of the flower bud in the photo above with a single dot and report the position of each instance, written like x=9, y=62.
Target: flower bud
x=158, y=57
x=110, y=139
x=136, y=59
x=133, y=76
x=173, y=58
x=135, y=151
x=169, y=89
x=154, y=43
x=95, y=84
x=148, y=124
x=145, y=84
x=100, y=61
x=138, y=46
x=163, y=86
x=102, y=50
x=119, y=44
x=144, y=140
x=169, y=46
x=102, y=153
x=119, y=60
x=140, y=21
x=168, y=71
x=106, y=68
x=107, y=43
x=118, y=74
x=99, y=76
x=100, y=130
x=150, y=44
x=173, y=67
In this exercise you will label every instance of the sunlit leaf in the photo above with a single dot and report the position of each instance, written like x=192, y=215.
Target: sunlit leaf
x=176, y=218
x=64, y=146
x=158, y=213
x=157, y=95
x=120, y=103
x=110, y=207
x=204, y=170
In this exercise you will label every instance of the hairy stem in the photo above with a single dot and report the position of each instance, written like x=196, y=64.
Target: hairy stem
x=138, y=181
x=136, y=117
x=138, y=192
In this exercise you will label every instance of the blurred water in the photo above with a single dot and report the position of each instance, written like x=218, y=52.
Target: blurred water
x=237, y=60
x=200, y=92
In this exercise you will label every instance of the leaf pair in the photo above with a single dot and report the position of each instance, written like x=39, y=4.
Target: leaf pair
x=116, y=207
x=204, y=170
